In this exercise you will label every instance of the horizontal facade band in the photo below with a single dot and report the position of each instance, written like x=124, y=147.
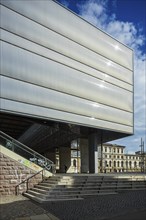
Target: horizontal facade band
x=15, y=107
x=51, y=15
x=36, y=95
x=32, y=68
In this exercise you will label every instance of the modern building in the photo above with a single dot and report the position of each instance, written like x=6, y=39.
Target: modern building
x=62, y=79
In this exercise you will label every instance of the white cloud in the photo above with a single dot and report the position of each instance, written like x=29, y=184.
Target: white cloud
x=96, y=12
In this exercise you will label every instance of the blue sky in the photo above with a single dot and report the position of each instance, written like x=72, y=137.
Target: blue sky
x=126, y=21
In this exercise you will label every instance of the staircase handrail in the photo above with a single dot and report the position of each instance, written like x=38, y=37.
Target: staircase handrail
x=27, y=149
x=26, y=180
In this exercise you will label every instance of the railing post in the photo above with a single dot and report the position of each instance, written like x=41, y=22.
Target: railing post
x=16, y=190
x=27, y=184
x=42, y=174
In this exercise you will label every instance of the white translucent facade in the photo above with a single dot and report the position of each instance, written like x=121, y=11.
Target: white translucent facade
x=55, y=65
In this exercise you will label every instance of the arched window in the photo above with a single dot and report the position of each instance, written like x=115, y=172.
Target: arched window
x=114, y=163
x=110, y=163
x=130, y=163
x=122, y=163
x=126, y=163
x=135, y=164
x=118, y=163
x=74, y=163
x=106, y=165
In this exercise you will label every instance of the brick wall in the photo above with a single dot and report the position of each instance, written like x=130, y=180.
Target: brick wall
x=12, y=173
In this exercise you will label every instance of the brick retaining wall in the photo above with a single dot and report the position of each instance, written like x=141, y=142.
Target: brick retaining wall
x=12, y=173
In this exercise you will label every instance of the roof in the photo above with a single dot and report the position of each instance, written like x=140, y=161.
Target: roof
x=113, y=145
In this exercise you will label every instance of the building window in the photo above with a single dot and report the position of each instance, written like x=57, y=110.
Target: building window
x=74, y=163
x=114, y=163
x=118, y=163
x=105, y=149
x=135, y=164
x=110, y=163
x=118, y=150
x=57, y=162
x=106, y=165
x=122, y=163
x=122, y=151
x=130, y=163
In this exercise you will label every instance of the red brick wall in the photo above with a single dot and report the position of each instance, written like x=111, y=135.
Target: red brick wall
x=12, y=173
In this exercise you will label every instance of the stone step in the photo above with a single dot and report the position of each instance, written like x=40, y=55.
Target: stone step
x=28, y=195
x=47, y=188
x=87, y=187
x=132, y=189
x=87, y=182
x=78, y=187
x=37, y=194
x=43, y=191
x=79, y=193
x=35, y=198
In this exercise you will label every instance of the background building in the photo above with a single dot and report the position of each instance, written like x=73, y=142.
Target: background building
x=114, y=159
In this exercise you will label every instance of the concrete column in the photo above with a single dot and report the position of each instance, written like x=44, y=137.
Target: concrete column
x=51, y=156
x=64, y=159
x=84, y=154
x=93, y=153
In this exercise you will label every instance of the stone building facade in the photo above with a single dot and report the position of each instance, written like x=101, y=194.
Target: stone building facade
x=112, y=158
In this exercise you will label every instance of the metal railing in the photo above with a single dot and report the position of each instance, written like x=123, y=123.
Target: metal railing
x=27, y=181
x=26, y=152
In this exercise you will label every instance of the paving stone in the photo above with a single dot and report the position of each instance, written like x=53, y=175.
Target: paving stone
x=52, y=217
x=40, y=217
x=23, y=218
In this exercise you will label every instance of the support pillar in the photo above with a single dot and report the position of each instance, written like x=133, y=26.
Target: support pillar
x=64, y=159
x=84, y=154
x=51, y=156
x=93, y=153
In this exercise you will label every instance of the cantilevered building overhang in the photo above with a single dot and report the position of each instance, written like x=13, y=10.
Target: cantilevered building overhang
x=56, y=66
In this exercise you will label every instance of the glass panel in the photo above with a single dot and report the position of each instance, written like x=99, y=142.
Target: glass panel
x=26, y=152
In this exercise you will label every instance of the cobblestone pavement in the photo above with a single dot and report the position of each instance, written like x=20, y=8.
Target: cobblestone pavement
x=129, y=205
x=101, y=207
x=12, y=207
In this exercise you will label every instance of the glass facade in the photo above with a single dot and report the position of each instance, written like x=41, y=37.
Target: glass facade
x=52, y=68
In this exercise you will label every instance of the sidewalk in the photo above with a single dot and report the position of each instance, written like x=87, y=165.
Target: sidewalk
x=137, y=215
x=21, y=208
x=47, y=216
x=122, y=206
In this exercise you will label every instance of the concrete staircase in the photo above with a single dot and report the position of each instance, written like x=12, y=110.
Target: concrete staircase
x=71, y=187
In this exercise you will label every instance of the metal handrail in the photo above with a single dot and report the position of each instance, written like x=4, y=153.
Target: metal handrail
x=26, y=181
x=37, y=158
